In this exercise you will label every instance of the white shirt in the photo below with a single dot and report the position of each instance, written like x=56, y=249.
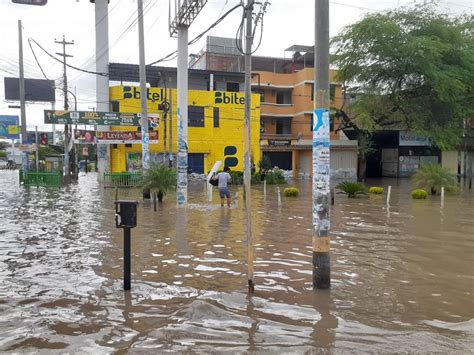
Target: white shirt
x=224, y=179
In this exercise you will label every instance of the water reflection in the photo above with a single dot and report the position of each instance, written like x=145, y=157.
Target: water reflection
x=401, y=277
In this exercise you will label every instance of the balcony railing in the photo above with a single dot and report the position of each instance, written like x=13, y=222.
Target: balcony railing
x=278, y=137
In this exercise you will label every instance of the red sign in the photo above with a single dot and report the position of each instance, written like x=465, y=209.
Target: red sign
x=112, y=137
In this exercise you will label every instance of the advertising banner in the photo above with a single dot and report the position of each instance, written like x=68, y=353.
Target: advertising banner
x=112, y=137
x=9, y=127
x=97, y=118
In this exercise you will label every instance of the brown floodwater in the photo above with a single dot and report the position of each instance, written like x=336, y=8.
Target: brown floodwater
x=402, y=278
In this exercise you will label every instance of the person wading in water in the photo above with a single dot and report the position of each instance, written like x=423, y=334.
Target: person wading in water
x=224, y=179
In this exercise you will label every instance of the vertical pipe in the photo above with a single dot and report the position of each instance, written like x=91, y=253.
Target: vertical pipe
x=265, y=188
x=126, y=259
x=102, y=81
x=143, y=90
x=279, y=196
x=442, y=196
x=247, y=162
x=182, y=112
x=321, y=182
x=389, y=192
x=22, y=86
x=37, y=148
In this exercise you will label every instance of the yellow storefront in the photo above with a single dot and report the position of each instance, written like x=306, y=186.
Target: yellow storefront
x=215, y=127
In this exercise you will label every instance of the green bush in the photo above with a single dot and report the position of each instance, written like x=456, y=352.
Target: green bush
x=159, y=179
x=419, y=194
x=3, y=154
x=275, y=177
x=376, y=190
x=291, y=192
x=351, y=189
x=433, y=177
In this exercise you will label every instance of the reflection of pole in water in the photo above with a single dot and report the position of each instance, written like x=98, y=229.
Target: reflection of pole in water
x=324, y=331
x=254, y=326
x=181, y=223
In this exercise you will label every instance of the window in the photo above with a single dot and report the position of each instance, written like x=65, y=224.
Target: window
x=283, y=97
x=283, y=126
x=233, y=87
x=312, y=92
x=195, y=116
x=261, y=93
x=332, y=92
x=115, y=106
x=216, y=117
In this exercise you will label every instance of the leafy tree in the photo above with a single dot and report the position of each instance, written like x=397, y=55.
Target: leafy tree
x=414, y=69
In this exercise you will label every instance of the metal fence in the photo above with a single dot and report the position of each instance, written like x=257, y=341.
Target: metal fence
x=130, y=179
x=51, y=179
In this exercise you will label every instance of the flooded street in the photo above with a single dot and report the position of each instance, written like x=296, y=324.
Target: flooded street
x=402, y=278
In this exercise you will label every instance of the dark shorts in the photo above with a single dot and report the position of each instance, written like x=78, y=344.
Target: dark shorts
x=224, y=192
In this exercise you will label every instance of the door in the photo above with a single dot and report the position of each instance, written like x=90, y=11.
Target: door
x=196, y=163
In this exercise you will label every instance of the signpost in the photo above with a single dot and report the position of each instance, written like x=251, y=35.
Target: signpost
x=92, y=118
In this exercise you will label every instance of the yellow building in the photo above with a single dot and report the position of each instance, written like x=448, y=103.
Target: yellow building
x=215, y=128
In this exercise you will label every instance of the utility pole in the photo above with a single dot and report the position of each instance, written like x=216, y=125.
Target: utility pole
x=143, y=93
x=66, y=105
x=321, y=146
x=102, y=81
x=22, y=86
x=170, y=156
x=248, y=106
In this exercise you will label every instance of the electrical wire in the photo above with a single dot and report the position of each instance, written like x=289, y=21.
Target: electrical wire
x=61, y=61
x=199, y=36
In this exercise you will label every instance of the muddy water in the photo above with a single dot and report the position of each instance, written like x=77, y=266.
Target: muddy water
x=402, y=278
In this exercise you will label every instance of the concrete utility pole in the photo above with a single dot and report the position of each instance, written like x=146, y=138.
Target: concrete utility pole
x=102, y=81
x=66, y=105
x=321, y=143
x=247, y=162
x=182, y=113
x=22, y=85
x=180, y=18
x=170, y=156
x=143, y=93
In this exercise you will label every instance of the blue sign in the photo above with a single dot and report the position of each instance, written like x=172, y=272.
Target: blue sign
x=9, y=127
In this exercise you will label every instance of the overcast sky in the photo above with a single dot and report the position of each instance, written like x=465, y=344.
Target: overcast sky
x=286, y=22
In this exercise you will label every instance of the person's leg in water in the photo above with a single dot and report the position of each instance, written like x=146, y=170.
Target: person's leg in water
x=227, y=194
x=222, y=195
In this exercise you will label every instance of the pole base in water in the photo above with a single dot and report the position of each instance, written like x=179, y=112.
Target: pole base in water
x=321, y=270
x=251, y=286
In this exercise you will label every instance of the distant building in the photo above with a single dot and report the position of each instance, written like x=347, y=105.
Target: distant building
x=286, y=89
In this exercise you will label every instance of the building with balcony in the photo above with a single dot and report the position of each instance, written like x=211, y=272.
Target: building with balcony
x=286, y=89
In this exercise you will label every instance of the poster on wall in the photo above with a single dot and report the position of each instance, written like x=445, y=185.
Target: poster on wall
x=408, y=138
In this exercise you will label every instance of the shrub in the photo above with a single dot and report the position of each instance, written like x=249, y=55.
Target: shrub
x=351, y=189
x=377, y=190
x=433, y=177
x=275, y=177
x=419, y=194
x=159, y=179
x=237, y=177
x=291, y=192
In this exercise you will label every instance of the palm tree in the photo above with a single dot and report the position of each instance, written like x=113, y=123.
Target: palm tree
x=158, y=179
x=434, y=177
x=351, y=189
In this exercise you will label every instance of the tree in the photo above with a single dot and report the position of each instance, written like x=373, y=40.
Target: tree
x=414, y=69
x=158, y=179
x=434, y=177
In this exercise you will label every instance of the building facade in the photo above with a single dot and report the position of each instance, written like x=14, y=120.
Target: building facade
x=286, y=89
x=215, y=128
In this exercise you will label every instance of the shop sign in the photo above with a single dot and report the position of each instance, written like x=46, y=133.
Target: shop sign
x=279, y=142
x=97, y=118
x=112, y=137
x=408, y=138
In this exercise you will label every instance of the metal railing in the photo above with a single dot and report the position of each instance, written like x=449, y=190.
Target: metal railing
x=51, y=179
x=128, y=179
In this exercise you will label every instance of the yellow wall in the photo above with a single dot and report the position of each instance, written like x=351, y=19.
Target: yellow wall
x=208, y=140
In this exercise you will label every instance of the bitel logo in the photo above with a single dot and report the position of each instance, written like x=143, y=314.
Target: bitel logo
x=228, y=98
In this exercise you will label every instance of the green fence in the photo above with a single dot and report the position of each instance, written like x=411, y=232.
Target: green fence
x=130, y=179
x=51, y=179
